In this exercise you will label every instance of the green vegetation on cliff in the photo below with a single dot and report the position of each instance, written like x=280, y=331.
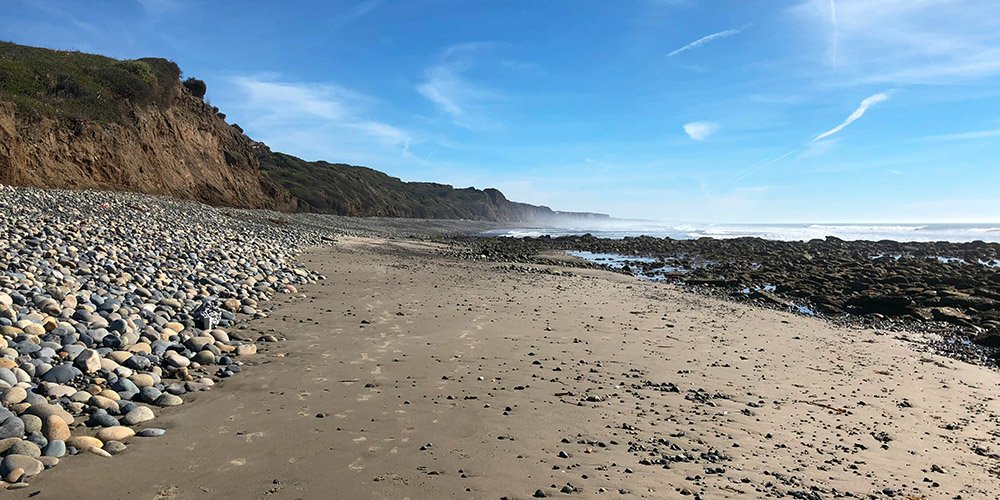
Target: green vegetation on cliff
x=360, y=191
x=44, y=82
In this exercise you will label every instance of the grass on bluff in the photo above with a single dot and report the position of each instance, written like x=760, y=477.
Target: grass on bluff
x=44, y=82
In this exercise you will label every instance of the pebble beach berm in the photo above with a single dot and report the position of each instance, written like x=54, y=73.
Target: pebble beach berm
x=98, y=326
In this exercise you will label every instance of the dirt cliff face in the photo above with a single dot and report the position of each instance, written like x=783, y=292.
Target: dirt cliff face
x=183, y=149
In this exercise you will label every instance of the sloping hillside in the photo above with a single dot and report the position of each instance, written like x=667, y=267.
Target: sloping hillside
x=350, y=190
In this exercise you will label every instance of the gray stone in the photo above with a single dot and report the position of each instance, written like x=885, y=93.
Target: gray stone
x=101, y=418
x=55, y=448
x=30, y=465
x=60, y=374
x=139, y=415
x=11, y=427
x=32, y=424
x=26, y=448
x=167, y=399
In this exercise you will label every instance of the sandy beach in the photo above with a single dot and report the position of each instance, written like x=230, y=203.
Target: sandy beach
x=409, y=374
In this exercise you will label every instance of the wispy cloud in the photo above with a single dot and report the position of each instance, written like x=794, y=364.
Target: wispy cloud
x=313, y=111
x=159, y=7
x=700, y=131
x=64, y=13
x=834, y=33
x=446, y=85
x=858, y=113
x=904, y=42
x=708, y=39
x=964, y=136
x=767, y=162
x=353, y=13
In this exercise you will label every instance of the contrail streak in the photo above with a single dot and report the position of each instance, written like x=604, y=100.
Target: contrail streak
x=858, y=113
x=709, y=38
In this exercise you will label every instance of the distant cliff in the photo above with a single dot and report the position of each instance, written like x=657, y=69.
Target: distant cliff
x=75, y=120
x=360, y=191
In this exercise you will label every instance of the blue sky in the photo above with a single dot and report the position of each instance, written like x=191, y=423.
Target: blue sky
x=685, y=110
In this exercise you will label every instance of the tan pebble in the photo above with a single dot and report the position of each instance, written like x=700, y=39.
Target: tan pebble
x=99, y=452
x=14, y=475
x=54, y=427
x=13, y=395
x=103, y=402
x=84, y=442
x=34, y=329
x=142, y=380
x=119, y=356
x=246, y=350
x=115, y=433
x=110, y=364
x=5, y=444
x=10, y=331
x=142, y=348
x=112, y=395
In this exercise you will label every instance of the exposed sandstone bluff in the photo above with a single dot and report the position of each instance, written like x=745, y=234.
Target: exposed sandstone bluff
x=79, y=121
x=182, y=150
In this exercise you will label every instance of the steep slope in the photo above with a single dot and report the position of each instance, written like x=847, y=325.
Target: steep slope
x=360, y=191
x=72, y=120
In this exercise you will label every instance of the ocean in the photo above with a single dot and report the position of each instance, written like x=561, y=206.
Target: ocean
x=620, y=228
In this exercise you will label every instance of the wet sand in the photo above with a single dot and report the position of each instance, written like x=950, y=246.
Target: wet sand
x=407, y=374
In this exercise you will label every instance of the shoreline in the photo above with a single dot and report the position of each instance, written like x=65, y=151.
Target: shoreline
x=849, y=282
x=508, y=362
x=411, y=373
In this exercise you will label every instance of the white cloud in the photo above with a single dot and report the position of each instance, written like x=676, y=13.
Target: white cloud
x=323, y=120
x=446, y=85
x=858, y=113
x=707, y=39
x=700, y=131
x=911, y=41
x=353, y=13
x=444, y=88
x=282, y=98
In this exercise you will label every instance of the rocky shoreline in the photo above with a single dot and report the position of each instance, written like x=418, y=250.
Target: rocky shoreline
x=949, y=290
x=116, y=305
x=105, y=300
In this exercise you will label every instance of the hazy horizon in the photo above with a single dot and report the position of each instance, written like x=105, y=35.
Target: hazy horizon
x=744, y=112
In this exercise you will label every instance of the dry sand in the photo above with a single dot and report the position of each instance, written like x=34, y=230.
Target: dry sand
x=407, y=374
